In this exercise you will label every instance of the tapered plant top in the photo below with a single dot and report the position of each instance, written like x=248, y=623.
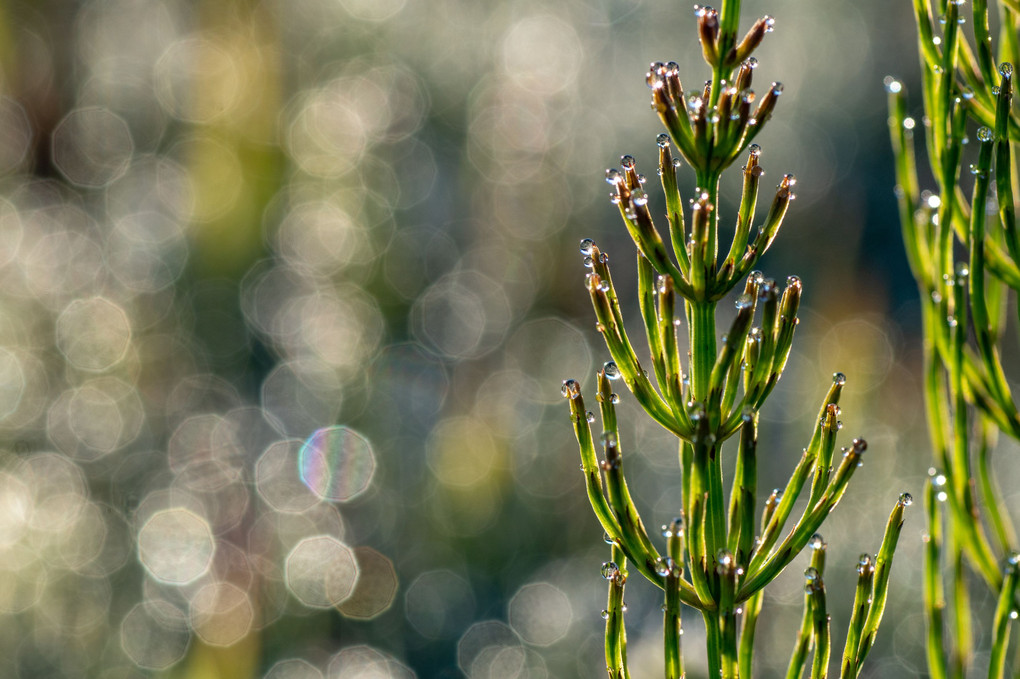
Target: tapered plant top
x=718, y=557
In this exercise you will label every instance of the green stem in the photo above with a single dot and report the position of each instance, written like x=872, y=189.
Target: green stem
x=701, y=322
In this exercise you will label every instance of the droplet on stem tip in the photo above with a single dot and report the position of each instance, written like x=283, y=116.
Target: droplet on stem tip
x=892, y=85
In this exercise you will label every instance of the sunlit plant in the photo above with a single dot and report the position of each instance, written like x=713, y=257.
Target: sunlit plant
x=962, y=244
x=718, y=555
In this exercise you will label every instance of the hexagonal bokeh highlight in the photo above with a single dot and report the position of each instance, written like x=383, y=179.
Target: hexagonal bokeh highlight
x=365, y=661
x=321, y=572
x=376, y=587
x=277, y=478
x=221, y=614
x=490, y=648
x=154, y=635
x=293, y=668
x=176, y=546
x=540, y=613
x=337, y=463
x=439, y=604
x=92, y=146
x=93, y=334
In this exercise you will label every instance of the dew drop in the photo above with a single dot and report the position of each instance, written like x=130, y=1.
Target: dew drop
x=662, y=140
x=586, y=246
x=995, y=91
x=770, y=24
x=909, y=123
x=906, y=499
x=1006, y=69
x=839, y=378
x=754, y=150
x=605, y=614
x=608, y=539
x=590, y=416
x=816, y=541
x=612, y=370
x=892, y=85
x=614, y=399
x=985, y=133
x=627, y=162
x=613, y=176
x=609, y=570
x=570, y=389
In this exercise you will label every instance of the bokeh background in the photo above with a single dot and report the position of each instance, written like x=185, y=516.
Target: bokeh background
x=228, y=224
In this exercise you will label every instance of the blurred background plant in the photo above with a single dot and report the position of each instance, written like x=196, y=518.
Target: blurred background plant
x=227, y=224
x=962, y=243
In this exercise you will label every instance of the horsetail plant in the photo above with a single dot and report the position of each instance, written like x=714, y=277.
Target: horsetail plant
x=717, y=558
x=964, y=252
